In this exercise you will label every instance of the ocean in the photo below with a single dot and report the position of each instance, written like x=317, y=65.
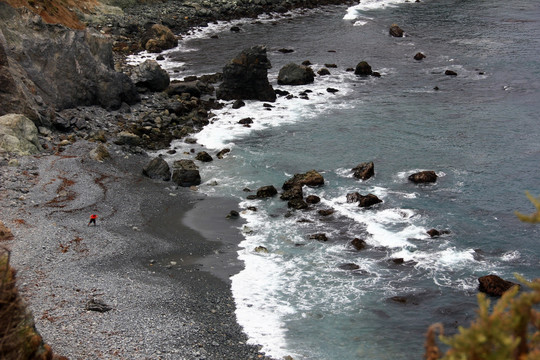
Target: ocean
x=478, y=130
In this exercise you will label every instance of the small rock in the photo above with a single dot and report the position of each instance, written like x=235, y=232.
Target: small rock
x=419, y=56
x=203, y=156
x=359, y=244
x=96, y=305
x=261, y=249
x=319, y=237
x=423, y=177
x=396, y=31
x=450, y=73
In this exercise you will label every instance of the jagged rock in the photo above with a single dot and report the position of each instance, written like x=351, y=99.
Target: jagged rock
x=293, y=74
x=396, y=31
x=266, y=191
x=310, y=178
x=203, y=156
x=369, y=200
x=313, y=199
x=19, y=135
x=419, y=56
x=100, y=153
x=186, y=173
x=423, y=177
x=293, y=193
x=157, y=168
x=246, y=77
x=319, y=237
x=149, y=75
x=5, y=233
x=494, y=285
x=158, y=38
x=127, y=138
x=358, y=244
x=297, y=204
x=364, y=170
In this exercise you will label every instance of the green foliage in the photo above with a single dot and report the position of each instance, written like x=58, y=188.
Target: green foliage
x=534, y=217
x=511, y=330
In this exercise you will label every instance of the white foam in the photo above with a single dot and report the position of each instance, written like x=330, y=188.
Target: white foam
x=355, y=12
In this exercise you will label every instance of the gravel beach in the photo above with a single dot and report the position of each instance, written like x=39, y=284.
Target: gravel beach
x=140, y=259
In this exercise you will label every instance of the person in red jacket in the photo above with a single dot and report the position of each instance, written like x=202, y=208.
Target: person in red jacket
x=93, y=218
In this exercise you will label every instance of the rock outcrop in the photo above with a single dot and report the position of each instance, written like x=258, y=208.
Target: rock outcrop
x=246, y=77
x=423, y=177
x=82, y=72
x=18, y=135
x=293, y=74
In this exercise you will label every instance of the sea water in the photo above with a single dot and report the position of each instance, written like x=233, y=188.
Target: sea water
x=479, y=131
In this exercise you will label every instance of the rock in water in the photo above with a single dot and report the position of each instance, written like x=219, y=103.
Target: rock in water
x=423, y=177
x=246, y=77
x=157, y=168
x=186, y=173
x=151, y=76
x=494, y=285
x=293, y=74
x=19, y=135
x=363, y=69
x=266, y=191
x=364, y=171
x=310, y=178
x=396, y=31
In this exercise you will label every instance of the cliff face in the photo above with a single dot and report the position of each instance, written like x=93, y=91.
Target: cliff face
x=50, y=67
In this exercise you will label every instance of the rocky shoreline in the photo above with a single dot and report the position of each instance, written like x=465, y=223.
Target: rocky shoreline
x=140, y=265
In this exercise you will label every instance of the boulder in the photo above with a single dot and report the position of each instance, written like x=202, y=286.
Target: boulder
x=194, y=88
x=358, y=244
x=158, y=38
x=368, y=200
x=293, y=74
x=186, y=173
x=395, y=31
x=297, y=204
x=319, y=237
x=353, y=197
x=261, y=250
x=100, y=153
x=364, y=170
x=149, y=75
x=127, y=138
x=313, y=199
x=266, y=191
x=323, y=72
x=246, y=77
x=450, y=73
x=363, y=69
x=326, y=212
x=203, y=156
x=494, y=285
x=419, y=56
x=221, y=154
x=157, y=168
x=19, y=135
x=423, y=177
x=310, y=178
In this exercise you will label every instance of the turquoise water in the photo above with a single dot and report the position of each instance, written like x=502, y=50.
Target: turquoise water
x=479, y=131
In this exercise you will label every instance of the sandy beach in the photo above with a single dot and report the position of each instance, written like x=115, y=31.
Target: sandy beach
x=143, y=259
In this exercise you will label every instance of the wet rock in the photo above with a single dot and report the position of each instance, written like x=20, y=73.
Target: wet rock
x=266, y=191
x=319, y=237
x=194, y=88
x=419, y=56
x=261, y=250
x=149, y=75
x=369, y=200
x=203, y=156
x=293, y=74
x=286, y=51
x=326, y=212
x=398, y=261
x=233, y=214
x=157, y=168
x=395, y=31
x=353, y=197
x=364, y=170
x=100, y=153
x=246, y=121
x=246, y=77
x=158, y=38
x=313, y=199
x=494, y=285
x=127, y=138
x=297, y=204
x=358, y=244
x=310, y=178
x=293, y=193
x=323, y=72
x=186, y=173
x=221, y=154
x=238, y=104
x=363, y=69
x=423, y=177
x=450, y=73
x=349, y=266
x=19, y=135
x=332, y=90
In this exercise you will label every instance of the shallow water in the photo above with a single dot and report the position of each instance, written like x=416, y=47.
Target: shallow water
x=479, y=131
